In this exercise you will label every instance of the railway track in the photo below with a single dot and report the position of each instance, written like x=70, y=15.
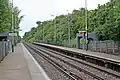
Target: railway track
x=109, y=71
x=50, y=69
x=56, y=59
x=70, y=75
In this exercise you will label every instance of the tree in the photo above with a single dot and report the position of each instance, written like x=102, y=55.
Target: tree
x=104, y=21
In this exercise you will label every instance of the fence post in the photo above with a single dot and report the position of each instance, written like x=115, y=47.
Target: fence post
x=118, y=47
x=92, y=46
x=106, y=47
x=100, y=46
x=0, y=51
x=113, y=47
x=3, y=49
x=95, y=45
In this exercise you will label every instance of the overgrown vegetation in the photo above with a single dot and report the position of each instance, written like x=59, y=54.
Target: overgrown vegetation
x=104, y=21
x=6, y=18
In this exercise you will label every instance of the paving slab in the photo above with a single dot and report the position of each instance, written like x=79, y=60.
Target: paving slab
x=14, y=66
x=36, y=71
x=20, y=65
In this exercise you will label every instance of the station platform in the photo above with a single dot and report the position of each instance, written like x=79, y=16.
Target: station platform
x=20, y=65
x=96, y=55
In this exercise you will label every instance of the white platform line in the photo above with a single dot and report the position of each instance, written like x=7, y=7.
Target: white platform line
x=40, y=68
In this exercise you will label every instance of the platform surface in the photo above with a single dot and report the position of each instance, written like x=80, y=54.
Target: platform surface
x=20, y=65
x=89, y=53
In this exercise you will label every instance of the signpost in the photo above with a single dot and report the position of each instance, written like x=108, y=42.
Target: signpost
x=12, y=34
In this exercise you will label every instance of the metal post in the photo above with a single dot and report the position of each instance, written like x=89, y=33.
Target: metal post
x=12, y=15
x=86, y=25
x=43, y=33
x=12, y=28
x=55, y=30
x=68, y=30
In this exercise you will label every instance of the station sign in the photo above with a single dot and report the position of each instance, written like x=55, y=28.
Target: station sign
x=12, y=34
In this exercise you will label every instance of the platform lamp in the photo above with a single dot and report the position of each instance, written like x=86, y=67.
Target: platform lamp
x=12, y=17
x=12, y=30
x=40, y=23
x=68, y=29
x=86, y=23
x=54, y=28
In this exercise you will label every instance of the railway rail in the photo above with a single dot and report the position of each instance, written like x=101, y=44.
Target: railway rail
x=106, y=70
x=52, y=71
x=104, y=60
x=71, y=75
x=72, y=67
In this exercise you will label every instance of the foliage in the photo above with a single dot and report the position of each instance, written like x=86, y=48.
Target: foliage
x=104, y=21
x=6, y=12
x=9, y=18
x=5, y=15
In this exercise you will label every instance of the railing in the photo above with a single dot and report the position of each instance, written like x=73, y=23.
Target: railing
x=64, y=43
x=109, y=47
x=5, y=48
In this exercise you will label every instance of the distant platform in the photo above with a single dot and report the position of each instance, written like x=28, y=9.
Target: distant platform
x=96, y=55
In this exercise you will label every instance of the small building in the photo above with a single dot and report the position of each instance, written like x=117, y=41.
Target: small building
x=81, y=39
x=5, y=37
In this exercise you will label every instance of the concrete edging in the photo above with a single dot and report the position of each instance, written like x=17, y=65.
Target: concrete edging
x=36, y=65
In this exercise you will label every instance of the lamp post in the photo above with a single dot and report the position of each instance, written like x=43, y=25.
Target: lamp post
x=12, y=17
x=68, y=26
x=54, y=28
x=12, y=24
x=41, y=23
x=86, y=25
x=43, y=33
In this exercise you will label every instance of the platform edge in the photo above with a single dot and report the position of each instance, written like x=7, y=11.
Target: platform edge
x=39, y=67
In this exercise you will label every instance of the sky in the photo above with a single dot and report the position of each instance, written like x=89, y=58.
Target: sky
x=41, y=10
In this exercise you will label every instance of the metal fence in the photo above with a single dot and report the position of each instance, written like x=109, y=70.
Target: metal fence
x=109, y=47
x=5, y=48
x=64, y=43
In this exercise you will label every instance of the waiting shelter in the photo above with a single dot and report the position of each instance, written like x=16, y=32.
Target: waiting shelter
x=81, y=39
x=5, y=44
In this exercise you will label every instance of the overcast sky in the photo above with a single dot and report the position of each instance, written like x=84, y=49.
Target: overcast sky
x=41, y=10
